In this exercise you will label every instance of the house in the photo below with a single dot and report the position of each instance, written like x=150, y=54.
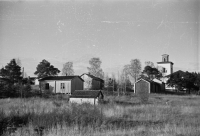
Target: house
x=92, y=82
x=146, y=86
x=86, y=96
x=162, y=84
x=61, y=84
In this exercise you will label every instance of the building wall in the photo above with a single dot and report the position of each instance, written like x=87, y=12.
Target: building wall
x=51, y=86
x=142, y=87
x=92, y=101
x=87, y=82
x=91, y=84
x=76, y=84
x=168, y=67
x=66, y=89
x=96, y=85
x=36, y=82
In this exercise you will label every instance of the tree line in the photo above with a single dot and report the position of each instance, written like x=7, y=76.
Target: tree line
x=131, y=72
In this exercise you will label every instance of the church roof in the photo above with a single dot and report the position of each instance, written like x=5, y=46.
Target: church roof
x=165, y=62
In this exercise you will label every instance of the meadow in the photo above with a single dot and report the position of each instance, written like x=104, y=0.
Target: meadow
x=163, y=115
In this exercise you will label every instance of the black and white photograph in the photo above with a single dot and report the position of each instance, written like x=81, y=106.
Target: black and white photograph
x=99, y=67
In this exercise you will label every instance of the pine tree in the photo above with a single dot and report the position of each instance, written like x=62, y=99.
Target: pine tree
x=12, y=72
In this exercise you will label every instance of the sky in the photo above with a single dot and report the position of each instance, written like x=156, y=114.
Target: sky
x=116, y=31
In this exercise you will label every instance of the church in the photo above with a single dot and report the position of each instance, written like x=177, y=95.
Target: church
x=167, y=69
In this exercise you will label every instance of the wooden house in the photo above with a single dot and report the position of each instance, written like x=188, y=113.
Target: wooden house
x=92, y=83
x=61, y=84
x=162, y=84
x=84, y=96
x=146, y=86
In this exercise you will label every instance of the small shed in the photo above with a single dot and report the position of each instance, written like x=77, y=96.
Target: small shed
x=61, y=84
x=145, y=85
x=84, y=96
x=92, y=82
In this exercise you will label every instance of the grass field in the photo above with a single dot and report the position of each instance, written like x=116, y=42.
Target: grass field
x=163, y=115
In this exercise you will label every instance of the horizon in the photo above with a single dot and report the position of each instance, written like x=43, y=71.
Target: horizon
x=114, y=31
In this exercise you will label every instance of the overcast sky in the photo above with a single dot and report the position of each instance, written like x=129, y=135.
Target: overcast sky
x=116, y=31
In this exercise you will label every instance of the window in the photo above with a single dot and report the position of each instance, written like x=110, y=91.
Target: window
x=164, y=70
x=47, y=86
x=62, y=86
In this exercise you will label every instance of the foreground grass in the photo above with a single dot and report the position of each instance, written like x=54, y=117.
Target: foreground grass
x=164, y=115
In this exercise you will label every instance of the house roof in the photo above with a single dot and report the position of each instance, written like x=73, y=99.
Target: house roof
x=93, y=77
x=86, y=94
x=59, y=78
x=147, y=80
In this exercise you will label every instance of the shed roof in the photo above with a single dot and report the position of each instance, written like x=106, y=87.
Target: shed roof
x=96, y=78
x=60, y=78
x=86, y=94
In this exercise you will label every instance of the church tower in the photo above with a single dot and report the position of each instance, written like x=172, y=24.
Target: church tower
x=166, y=65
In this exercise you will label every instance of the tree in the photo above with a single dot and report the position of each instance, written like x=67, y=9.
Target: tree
x=149, y=63
x=197, y=80
x=188, y=81
x=12, y=72
x=18, y=61
x=68, y=69
x=45, y=69
x=150, y=72
x=95, y=68
x=135, y=68
x=182, y=80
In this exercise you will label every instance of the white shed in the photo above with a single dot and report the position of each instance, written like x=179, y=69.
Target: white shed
x=81, y=96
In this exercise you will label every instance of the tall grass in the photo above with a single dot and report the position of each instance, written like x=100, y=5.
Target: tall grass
x=165, y=115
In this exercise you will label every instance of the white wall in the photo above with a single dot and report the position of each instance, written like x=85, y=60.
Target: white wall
x=67, y=88
x=36, y=82
x=84, y=100
x=51, y=85
x=87, y=82
x=168, y=67
x=57, y=88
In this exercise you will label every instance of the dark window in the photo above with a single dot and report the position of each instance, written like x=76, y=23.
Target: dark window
x=47, y=86
x=62, y=86
x=164, y=70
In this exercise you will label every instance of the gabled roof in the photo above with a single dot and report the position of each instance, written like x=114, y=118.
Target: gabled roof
x=147, y=80
x=59, y=78
x=93, y=77
x=86, y=94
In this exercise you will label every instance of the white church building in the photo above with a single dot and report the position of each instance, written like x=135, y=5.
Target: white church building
x=167, y=68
